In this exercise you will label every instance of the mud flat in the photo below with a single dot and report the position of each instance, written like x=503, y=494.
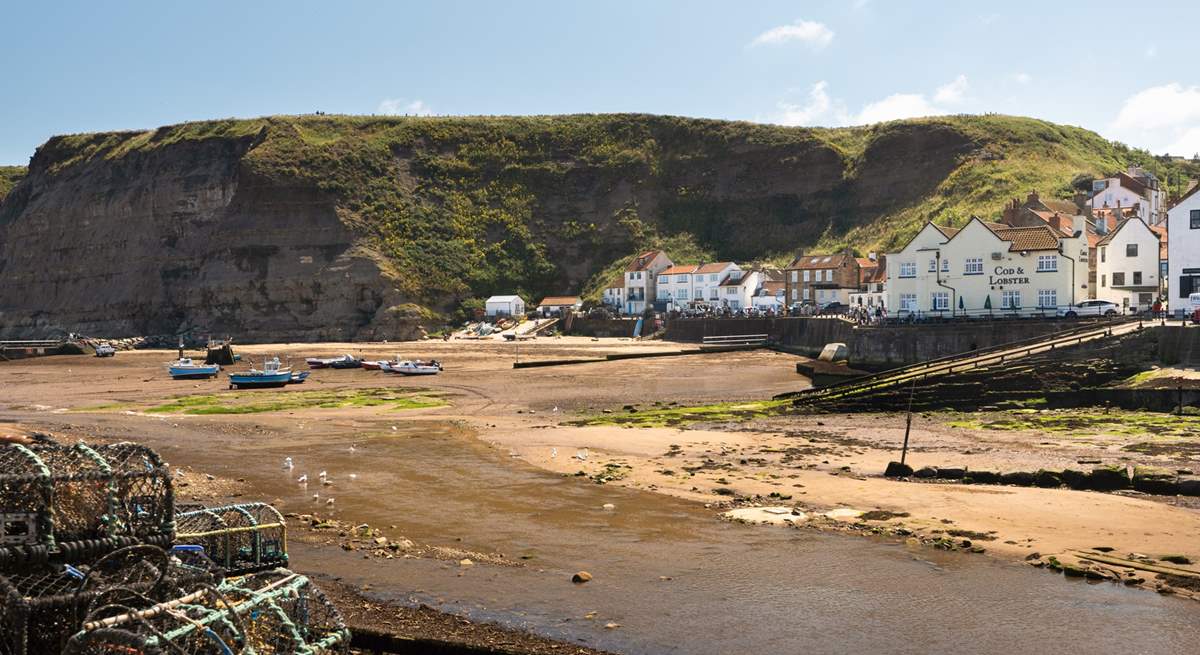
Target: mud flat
x=494, y=469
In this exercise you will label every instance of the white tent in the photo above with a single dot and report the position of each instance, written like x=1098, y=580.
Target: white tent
x=504, y=306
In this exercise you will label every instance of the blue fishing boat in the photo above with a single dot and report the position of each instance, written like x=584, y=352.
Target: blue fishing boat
x=298, y=377
x=273, y=374
x=186, y=369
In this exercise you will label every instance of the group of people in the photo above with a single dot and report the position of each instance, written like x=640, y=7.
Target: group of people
x=867, y=315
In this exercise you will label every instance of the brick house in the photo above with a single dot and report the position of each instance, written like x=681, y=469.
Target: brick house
x=821, y=279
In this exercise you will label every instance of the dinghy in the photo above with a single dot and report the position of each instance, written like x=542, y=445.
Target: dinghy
x=414, y=367
x=186, y=369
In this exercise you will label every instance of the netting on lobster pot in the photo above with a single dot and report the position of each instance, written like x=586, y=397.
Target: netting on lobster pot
x=71, y=502
x=242, y=538
x=273, y=612
x=41, y=607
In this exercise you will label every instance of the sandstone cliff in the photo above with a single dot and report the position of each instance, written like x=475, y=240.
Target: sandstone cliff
x=328, y=227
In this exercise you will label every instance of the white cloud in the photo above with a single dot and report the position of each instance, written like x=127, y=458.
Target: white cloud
x=810, y=113
x=820, y=108
x=815, y=35
x=403, y=106
x=952, y=92
x=897, y=106
x=1161, y=118
x=1022, y=78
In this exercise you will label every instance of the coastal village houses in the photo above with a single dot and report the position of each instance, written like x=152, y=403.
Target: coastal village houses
x=821, y=279
x=614, y=293
x=1128, y=269
x=872, y=283
x=688, y=285
x=1183, y=225
x=1135, y=188
x=988, y=268
x=641, y=277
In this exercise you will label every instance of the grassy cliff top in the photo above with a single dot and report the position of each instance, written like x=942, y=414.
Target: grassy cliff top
x=9, y=176
x=465, y=206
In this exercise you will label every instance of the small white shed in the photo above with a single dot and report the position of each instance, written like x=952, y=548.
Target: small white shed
x=504, y=306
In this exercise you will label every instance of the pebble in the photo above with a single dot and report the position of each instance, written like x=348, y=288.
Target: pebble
x=466, y=563
x=581, y=577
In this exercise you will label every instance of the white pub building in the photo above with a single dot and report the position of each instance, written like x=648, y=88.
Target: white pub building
x=987, y=269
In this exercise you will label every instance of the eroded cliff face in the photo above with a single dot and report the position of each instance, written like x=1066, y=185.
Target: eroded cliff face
x=298, y=228
x=182, y=239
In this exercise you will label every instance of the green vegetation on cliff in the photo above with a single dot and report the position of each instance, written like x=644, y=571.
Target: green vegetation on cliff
x=462, y=207
x=9, y=176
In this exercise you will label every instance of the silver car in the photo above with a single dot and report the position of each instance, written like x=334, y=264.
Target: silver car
x=1090, y=308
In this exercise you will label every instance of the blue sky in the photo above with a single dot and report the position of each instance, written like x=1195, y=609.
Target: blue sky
x=1123, y=69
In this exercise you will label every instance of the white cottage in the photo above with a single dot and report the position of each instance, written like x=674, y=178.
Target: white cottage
x=1183, y=256
x=504, y=306
x=1127, y=266
x=988, y=268
x=640, y=280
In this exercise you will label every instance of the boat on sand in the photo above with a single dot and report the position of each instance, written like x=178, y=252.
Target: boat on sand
x=185, y=368
x=272, y=374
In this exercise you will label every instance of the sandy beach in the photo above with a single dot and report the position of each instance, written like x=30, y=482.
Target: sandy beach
x=564, y=421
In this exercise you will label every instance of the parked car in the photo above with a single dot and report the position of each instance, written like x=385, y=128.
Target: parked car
x=1090, y=308
x=105, y=350
x=834, y=308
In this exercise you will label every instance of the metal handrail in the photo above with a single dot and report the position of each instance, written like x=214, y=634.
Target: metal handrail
x=868, y=380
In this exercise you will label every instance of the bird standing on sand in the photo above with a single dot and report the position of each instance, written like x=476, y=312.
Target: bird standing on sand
x=352, y=448
x=322, y=475
x=287, y=463
x=581, y=454
x=329, y=502
x=553, y=453
x=316, y=497
x=302, y=479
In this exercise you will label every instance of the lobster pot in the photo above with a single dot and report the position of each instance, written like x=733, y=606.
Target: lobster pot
x=265, y=613
x=243, y=538
x=70, y=502
x=42, y=607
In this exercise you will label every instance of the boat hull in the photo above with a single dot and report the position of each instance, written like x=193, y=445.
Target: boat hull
x=201, y=373
x=243, y=381
x=298, y=377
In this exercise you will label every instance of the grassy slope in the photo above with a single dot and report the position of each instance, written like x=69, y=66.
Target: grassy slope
x=453, y=206
x=9, y=176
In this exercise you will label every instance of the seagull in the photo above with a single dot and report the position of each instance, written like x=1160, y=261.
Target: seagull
x=353, y=476
x=581, y=455
x=322, y=475
x=553, y=453
x=556, y=408
x=329, y=502
x=287, y=463
x=303, y=479
x=351, y=447
x=327, y=482
x=316, y=497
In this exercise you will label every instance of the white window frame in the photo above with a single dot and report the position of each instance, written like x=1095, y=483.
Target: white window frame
x=973, y=266
x=940, y=301
x=1007, y=296
x=1050, y=295
x=1047, y=264
x=945, y=265
x=908, y=269
x=806, y=276
x=908, y=302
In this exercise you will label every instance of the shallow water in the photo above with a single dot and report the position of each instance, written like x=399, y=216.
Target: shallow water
x=733, y=588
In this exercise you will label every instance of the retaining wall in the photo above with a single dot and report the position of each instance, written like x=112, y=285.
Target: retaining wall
x=873, y=347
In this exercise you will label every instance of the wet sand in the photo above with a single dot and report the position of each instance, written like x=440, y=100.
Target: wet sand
x=730, y=586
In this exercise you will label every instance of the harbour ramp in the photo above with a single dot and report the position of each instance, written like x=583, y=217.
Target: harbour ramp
x=881, y=390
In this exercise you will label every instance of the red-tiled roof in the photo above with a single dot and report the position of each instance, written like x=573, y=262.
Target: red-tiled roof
x=617, y=283
x=1041, y=237
x=865, y=262
x=1161, y=231
x=680, y=269
x=643, y=260
x=946, y=231
x=818, y=261
x=560, y=301
x=714, y=267
x=774, y=287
